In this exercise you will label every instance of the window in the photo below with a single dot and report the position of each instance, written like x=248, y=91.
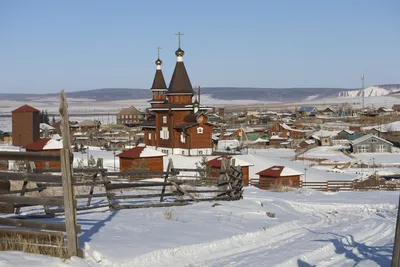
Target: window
x=380, y=148
x=273, y=133
x=164, y=151
x=288, y=133
x=130, y=116
x=183, y=152
x=149, y=136
x=200, y=152
x=164, y=119
x=200, y=130
x=280, y=133
x=363, y=148
x=183, y=138
x=164, y=133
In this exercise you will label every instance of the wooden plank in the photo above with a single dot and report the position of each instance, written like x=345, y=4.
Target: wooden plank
x=182, y=190
x=30, y=156
x=31, y=200
x=26, y=190
x=67, y=174
x=110, y=174
x=396, y=247
x=91, y=190
x=31, y=177
x=88, y=195
x=60, y=227
x=170, y=165
x=132, y=185
x=75, y=170
x=53, y=211
x=25, y=184
x=144, y=196
x=6, y=208
x=152, y=205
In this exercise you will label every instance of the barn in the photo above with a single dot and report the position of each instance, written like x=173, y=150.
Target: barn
x=278, y=175
x=215, y=168
x=141, y=158
x=45, y=145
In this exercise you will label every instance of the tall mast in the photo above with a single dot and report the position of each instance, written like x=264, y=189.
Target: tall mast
x=362, y=88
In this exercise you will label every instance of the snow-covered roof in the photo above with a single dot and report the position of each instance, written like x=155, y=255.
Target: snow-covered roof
x=260, y=140
x=141, y=152
x=277, y=137
x=56, y=137
x=45, y=126
x=368, y=136
x=279, y=171
x=310, y=142
x=53, y=144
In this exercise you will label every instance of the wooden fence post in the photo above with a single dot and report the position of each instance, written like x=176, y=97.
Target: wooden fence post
x=396, y=246
x=170, y=166
x=67, y=173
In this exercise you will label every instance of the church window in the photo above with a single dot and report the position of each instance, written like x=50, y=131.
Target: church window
x=164, y=133
x=183, y=138
x=200, y=130
x=164, y=119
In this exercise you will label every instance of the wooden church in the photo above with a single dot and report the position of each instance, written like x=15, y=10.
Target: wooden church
x=179, y=125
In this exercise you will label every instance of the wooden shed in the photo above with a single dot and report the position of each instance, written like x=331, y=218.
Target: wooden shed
x=141, y=158
x=216, y=163
x=278, y=175
x=45, y=145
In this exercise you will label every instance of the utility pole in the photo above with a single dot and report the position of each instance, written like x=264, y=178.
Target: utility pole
x=362, y=88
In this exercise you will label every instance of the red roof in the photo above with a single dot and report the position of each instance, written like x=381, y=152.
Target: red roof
x=132, y=153
x=25, y=109
x=38, y=145
x=274, y=171
x=217, y=162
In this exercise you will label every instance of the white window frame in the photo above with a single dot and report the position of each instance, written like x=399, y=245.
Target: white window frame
x=273, y=133
x=200, y=152
x=363, y=148
x=149, y=136
x=380, y=148
x=164, y=119
x=183, y=138
x=164, y=133
x=200, y=130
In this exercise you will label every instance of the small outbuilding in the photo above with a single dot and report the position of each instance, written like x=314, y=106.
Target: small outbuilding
x=278, y=175
x=215, y=165
x=45, y=145
x=143, y=158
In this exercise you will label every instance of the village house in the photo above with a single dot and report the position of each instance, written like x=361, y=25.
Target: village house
x=284, y=130
x=278, y=175
x=371, y=144
x=181, y=125
x=89, y=125
x=329, y=112
x=396, y=108
x=45, y=145
x=344, y=134
x=25, y=125
x=214, y=168
x=46, y=130
x=141, y=158
x=385, y=111
x=306, y=111
x=130, y=117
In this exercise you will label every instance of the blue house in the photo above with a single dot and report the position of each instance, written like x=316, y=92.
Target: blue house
x=307, y=111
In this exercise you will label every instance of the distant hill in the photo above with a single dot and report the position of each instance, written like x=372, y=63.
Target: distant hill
x=225, y=93
x=372, y=91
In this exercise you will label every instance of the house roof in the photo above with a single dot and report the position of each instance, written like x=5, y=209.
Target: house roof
x=307, y=108
x=45, y=126
x=25, y=109
x=279, y=171
x=89, y=123
x=44, y=144
x=140, y=152
x=159, y=81
x=396, y=107
x=368, y=136
x=217, y=162
x=180, y=82
x=130, y=110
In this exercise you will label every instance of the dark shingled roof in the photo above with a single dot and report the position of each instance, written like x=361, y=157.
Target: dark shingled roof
x=180, y=82
x=149, y=124
x=25, y=109
x=159, y=82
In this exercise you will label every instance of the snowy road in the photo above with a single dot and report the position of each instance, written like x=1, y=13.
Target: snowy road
x=310, y=229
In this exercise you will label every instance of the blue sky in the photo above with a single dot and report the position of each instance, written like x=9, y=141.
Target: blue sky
x=81, y=45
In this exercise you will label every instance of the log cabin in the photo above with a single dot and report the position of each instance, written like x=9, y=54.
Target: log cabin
x=141, y=157
x=45, y=145
x=278, y=175
x=180, y=125
x=214, y=168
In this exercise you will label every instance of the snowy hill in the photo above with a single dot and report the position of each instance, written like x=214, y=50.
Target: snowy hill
x=368, y=92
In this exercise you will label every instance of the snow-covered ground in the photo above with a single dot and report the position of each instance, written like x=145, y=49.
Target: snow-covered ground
x=330, y=153
x=309, y=229
x=379, y=158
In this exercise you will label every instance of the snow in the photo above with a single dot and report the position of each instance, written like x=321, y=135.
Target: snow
x=311, y=97
x=392, y=126
x=290, y=172
x=309, y=229
x=379, y=158
x=149, y=152
x=53, y=144
x=330, y=153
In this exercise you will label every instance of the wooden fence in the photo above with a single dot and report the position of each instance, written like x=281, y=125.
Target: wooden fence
x=329, y=185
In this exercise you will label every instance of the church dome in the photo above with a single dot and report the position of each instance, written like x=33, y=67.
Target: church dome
x=179, y=52
x=158, y=62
